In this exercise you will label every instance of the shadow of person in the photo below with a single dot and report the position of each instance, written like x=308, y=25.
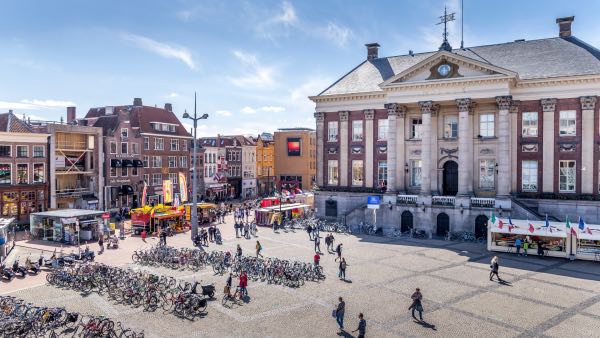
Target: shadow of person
x=426, y=324
x=246, y=299
x=349, y=281
x=345, y=334
x=504, y=282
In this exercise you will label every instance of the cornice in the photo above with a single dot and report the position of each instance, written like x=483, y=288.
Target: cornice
x=448, y=83
x=348, y=97
x=557, y=81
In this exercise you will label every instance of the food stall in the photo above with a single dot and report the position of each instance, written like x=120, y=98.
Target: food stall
x=69, y=226
x=5, y=228
x=207, y=212
x=503, y=233
x=269, y=202
x=152, y=219
x=588, y=243
x=267, y=216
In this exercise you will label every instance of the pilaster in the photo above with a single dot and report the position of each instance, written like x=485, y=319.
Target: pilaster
x=391, y=147
x=548, y=107
x=588, y=103
x=344, y=148
x=427, y=108
x=401, y=150
x=320, y=118
x=465, y=154
x=503, y=159
x=369, y=115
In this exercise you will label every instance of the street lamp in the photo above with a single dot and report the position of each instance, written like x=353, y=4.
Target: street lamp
x=194, y=207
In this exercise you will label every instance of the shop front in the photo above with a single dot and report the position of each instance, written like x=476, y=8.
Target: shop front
x=68, y=226
x=154, y=219
x=207, y=212
x=588, y=243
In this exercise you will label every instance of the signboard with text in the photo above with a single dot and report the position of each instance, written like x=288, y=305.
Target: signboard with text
x=373, y=202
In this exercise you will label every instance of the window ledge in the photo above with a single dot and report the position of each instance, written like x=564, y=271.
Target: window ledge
x=487, y=138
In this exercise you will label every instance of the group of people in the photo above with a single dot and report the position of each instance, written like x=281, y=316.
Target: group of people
x=338, y=314
x=524, y=244
x=245, y=229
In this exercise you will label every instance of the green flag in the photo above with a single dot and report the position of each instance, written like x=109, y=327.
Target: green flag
x=493, y=219
x=568, y=223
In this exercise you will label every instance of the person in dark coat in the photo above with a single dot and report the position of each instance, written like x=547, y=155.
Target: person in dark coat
x=494, y=266
x=417, y=305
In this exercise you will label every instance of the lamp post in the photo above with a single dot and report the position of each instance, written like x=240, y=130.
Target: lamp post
x=194, y=207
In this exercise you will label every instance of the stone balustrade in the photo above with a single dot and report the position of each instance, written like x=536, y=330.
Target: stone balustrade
x=480, y=202
x=407, y=199
x=443, y=200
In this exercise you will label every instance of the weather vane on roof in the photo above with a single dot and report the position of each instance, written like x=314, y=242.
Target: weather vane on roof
x=444, y=19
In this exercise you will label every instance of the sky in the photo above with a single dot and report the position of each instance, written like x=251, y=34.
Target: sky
x=252, y=63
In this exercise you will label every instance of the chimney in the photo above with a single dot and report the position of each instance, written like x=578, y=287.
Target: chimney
x=10, y=111
x=564, y=26
x=109, y=110
x=168, y=107
x=372, y=51
x=137, y=101
x=71, y=114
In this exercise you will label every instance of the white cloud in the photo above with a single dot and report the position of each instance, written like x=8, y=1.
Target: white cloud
x=223, y=112
x=172, y=95
x=165, y=50
x=298, y=98
x=256, y=75
x=337, y=34
x=36, y=104
x=272, y=109
x=287, y=16
x=248, y=110
x=278, y=22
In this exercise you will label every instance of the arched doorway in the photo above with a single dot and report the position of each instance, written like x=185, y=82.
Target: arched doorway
x=406, y=221
x=481, y=226
x=450, y=179
x=443, y=225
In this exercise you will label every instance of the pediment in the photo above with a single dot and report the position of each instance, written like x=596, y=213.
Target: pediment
x=446, y=66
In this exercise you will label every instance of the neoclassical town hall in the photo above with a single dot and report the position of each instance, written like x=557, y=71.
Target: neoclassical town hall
x=447, y=138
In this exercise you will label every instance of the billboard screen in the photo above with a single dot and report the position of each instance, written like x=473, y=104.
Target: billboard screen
x=293, y=146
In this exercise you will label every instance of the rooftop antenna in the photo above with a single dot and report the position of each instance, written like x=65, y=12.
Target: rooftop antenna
x=444, y=19
x=462, y=24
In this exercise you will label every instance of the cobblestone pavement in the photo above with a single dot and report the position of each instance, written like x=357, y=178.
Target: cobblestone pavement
x=542, y=297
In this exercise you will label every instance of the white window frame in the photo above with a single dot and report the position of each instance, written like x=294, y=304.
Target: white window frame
x=357, y=131
x=26, y=150
x=485, y=120
x=529, y=124
x=566, y=173
x=173, y=178
x=183, y=162
x=43, y=172
x=10, y=152
x=487, y=174
x=154, y=176
x=159, y=143
x=529, y=176
x=382, y=173
x=135, y=148
x=146, y=161
x=146, y=143
x=184, y=145
x=172, y=161
x=383, y=126
x=126, y=148
x=416, y=128
x=416, y=173
x=567, y=123
x=10, y=172
x=146, y=178
x=333, y=172
x=112, y=172
x=450, y=126
x=174, y=145
x=125, y=132
x=156, y=161
x=43, y=151
x=358, y=178
x=332, y=131
x=17, y=172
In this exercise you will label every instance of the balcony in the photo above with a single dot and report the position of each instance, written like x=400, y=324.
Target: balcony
x=406, y=199
x=444, y=201
x=71, y=145
x=479, y=202
x=73, y=192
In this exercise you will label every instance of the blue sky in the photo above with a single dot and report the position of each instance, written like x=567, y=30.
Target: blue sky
x=253, y=63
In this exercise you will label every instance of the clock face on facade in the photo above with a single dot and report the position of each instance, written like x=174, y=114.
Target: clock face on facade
x=444, y=70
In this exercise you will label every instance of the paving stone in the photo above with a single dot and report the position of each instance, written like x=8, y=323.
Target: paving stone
x=577, y=326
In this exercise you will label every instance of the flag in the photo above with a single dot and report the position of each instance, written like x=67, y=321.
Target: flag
x=176, y=201
x=167, y=191
x=510, y=220
x=547, y=223
x=144, y=193
x=493, y=219
x=581, y=223
x=531, y=228
x=183, y=187
x=588, y=230
x=500, y=224
x=573, y=231
x=510, y=227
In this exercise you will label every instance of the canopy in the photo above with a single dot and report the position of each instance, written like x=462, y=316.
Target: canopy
x=65, y=213
x=285, y=207
x=540, y=228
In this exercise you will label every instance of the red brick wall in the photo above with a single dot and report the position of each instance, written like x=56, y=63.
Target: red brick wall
x=567, y=104
x=529, y=106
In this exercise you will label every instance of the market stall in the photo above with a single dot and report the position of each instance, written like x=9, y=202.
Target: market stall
x=267, y=216
x=207, y=212
x=552, y=236
x=69, y=226
x=588, y=243
x=153, y=219
x=5, y=228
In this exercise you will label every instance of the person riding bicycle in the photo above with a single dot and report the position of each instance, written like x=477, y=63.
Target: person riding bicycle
x=227, y=258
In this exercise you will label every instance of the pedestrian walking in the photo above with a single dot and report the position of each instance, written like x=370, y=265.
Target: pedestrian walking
x=339, y=313
x=236, y=227
x=327, y=242
x=338, y=249
x=540, y=248
x=247, y=230
x=342, y=272
x=144, y=234
x=317, y=259
x=331, y=240
x=317, y=244
x=101, y=243
x=417, y=304
x=362, y=326
x=210, y=233
x=244, y=283
x=518, y=246
x=309, y=230
x=258, y=249
x=525, y=247
x=205, y=237
x=494, y=266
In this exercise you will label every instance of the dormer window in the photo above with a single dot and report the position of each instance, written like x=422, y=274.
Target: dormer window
x=163, y=127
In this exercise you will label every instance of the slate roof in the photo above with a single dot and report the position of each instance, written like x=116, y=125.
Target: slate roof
x=107, y=123
x=534, y=59
x=9, y=122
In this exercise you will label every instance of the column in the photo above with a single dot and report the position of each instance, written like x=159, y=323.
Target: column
x=369, y=115
x=548, y=106
x=426, y=109
x=391, y=148
x=514, y=132
x=344, y=149
x=504, y=103
x=465, y=156
x=588, y=103
x=401, y=150
x=320, y=117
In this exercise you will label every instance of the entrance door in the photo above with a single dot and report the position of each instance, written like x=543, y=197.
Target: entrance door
x=481, y=226
x=450, y=179
x=406, y=221
x=443, y=225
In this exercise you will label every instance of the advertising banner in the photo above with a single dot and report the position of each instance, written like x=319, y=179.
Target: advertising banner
x=167, y=191
x=183, y=192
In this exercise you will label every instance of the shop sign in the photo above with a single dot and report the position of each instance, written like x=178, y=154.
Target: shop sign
x=105, y=215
